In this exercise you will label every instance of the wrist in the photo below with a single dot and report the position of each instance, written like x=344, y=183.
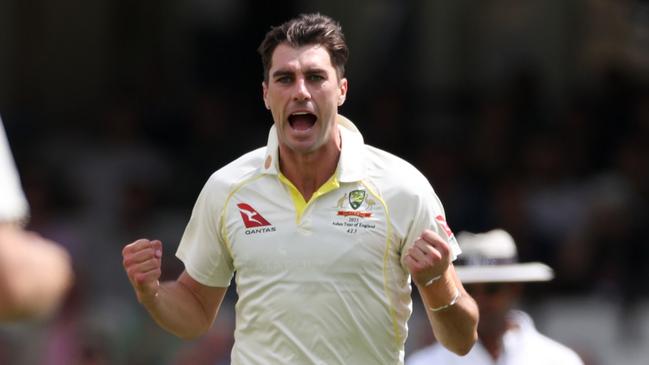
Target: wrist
x=431, y=281
x=148, y=301
x=148, y=298
x=451, y=303
x=439, y=292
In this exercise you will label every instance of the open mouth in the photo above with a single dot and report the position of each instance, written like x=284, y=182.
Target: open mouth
x=302, y=121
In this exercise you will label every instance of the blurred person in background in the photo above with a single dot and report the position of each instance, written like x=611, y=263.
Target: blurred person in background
x=35, y=273
x=506, y=336
x=323, y=232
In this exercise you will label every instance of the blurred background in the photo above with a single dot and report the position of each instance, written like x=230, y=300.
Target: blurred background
x=528, y=115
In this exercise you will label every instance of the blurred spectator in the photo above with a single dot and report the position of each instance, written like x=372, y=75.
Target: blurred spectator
x=35, y=273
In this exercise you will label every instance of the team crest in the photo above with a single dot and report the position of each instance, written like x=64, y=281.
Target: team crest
x=356, y=198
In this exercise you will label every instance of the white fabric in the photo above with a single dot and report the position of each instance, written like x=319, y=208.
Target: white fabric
x=13, y=205
x=523, y=345
x=327, y=287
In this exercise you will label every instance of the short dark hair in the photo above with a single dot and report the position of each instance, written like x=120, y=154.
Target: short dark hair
x=304, y=30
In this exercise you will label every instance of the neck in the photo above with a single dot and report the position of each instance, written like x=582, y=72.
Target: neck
x=309, y=171
x=493, y=340
x=493, y=345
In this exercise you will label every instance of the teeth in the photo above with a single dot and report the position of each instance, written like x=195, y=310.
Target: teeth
x=301, y=113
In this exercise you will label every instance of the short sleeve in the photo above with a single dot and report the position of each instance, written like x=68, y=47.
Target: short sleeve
x=202, y=248
x=13, y=205
x=429, y=214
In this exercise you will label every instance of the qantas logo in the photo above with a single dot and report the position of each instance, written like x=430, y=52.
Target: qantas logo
x=253, y=221
x=251, y=218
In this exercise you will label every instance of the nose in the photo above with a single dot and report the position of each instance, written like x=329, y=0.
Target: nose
x=301, y=92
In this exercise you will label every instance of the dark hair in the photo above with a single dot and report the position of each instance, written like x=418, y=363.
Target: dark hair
x=303, y=30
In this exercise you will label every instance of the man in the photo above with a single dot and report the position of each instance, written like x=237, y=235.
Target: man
x=35, y=273
x=505, y=336
x=322, y=231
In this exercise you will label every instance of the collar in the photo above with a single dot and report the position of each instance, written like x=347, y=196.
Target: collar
x=350, y=165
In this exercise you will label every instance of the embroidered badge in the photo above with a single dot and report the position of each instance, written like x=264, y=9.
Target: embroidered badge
x=356, y=198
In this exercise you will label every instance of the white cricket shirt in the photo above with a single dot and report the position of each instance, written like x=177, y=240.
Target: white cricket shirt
x=319, y=282
x=13, y=205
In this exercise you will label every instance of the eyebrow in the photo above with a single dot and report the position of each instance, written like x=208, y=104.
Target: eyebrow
x=287, y=72
x=315, y=70
x=282, y=72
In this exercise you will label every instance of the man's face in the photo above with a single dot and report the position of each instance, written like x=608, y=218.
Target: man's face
x=303, y=93
x=495, y=300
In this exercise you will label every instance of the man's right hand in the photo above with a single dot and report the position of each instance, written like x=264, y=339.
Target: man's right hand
x=142, y=261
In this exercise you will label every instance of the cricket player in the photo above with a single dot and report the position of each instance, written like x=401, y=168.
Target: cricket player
x=323, y=234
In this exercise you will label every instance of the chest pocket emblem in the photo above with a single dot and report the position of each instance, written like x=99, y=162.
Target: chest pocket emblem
x=356, y=198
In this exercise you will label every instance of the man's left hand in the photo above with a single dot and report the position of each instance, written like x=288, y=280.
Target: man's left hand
x=428, y=258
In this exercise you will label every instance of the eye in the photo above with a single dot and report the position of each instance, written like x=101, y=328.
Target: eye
x=284, y=79
x=315, y=77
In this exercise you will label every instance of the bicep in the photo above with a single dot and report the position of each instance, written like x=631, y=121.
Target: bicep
x=209, y=297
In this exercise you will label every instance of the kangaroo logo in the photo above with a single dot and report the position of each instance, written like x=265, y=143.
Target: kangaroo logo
x=251, y=218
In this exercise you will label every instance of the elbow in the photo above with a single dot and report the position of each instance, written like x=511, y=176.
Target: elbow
x=188, y=336
x=189, y=333
x=462, y=347
x=464, y=341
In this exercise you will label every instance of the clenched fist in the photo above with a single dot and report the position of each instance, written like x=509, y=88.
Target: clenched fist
x=428, y=258
x=142, y=262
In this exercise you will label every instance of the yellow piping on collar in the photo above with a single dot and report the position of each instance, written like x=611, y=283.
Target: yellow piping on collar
x=298, y=199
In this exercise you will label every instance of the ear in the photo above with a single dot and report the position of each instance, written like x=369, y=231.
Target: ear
x=342, y=88
x=264, y=88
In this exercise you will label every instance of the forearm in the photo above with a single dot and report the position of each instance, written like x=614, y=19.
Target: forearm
x=454, y=326
x=184, y=307
x=176, y=309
